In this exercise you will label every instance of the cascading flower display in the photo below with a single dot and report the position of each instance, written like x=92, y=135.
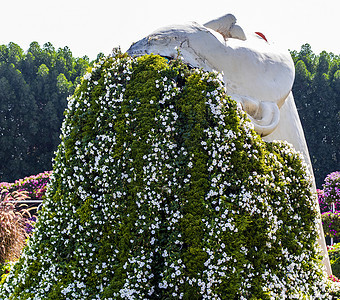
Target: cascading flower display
x=161, y=189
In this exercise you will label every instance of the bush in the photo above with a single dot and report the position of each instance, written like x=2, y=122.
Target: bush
x=324, y=206
x=331, y=189
x=327, y=197
x=331, y=223
x=334, y=256
x=13, y=224
x=161, y=189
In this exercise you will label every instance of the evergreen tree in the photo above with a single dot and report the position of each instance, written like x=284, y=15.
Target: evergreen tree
x=34, y=87
x=18, y=122
x=316, y=92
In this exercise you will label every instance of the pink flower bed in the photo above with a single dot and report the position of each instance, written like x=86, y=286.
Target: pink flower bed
x=35, y=185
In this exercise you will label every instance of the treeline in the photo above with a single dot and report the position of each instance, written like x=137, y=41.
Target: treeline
x=34, y=86
x=317, y=96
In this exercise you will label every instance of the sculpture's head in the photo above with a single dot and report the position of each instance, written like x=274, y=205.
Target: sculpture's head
x=256, y=73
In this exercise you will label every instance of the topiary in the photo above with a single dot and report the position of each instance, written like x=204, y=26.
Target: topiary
x=331, y=189
x=161, y=189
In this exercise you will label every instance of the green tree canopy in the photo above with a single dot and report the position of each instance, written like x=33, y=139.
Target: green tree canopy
x=33, y=91
x=317, y=91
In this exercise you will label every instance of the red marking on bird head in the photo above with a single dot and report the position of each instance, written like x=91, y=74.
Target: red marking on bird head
x=262, y=36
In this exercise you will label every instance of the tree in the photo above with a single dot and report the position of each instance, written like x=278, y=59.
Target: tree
x=18, y=122
x=316, y=91
x=34, y=88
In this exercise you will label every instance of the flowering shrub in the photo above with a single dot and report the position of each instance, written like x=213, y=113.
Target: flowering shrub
x=34, y=185
x=334, y=278
x=324, y=206
x=331, y=223
x=161, y=189
x=327, y=197
x=331, y=189
x=334, y=287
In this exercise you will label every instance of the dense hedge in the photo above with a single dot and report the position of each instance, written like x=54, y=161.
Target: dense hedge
x=162, y=190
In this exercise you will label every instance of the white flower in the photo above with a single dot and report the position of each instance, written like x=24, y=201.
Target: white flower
x=87, y=76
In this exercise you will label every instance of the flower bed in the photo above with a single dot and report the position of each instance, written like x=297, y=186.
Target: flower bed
x=34, y=185
x=16, y=221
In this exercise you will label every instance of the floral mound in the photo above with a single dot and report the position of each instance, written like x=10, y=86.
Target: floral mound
x=162, y=190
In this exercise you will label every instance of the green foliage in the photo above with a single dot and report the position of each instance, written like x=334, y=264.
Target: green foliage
x=33, y=91
x=331, y=223
x=43, y=71
x=316, y=92
x=161, y=189
x=334, y=256
x=4, y=271
x=64, y=86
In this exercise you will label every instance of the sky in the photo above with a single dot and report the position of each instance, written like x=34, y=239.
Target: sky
x=90, y=27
